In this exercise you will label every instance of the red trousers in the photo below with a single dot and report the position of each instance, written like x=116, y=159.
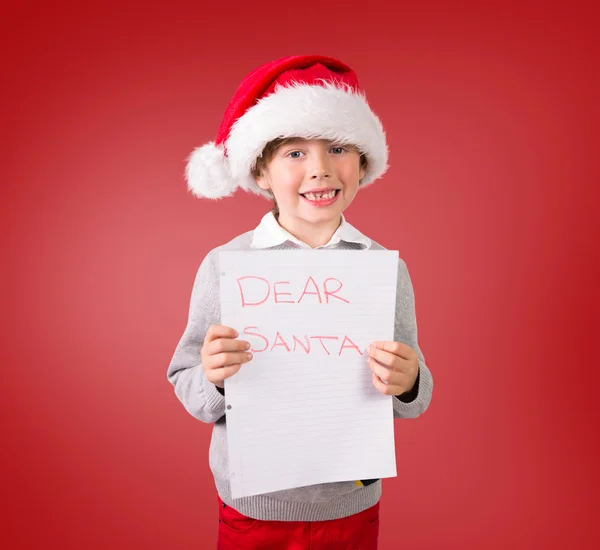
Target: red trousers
x=239, y=532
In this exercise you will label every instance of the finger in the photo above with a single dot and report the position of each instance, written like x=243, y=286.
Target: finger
x=386, y=358
x=396, y=348
x=221, y=345
x=226, y=359
x=387, y=376
x=230, y=370
x=386, y=389
x=217, y=376
x=220, y=331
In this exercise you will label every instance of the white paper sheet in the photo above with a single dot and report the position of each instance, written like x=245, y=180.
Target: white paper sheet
x=311, y=414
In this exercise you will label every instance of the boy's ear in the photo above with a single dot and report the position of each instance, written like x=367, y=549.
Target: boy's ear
x=361, y=172
x=262, y=181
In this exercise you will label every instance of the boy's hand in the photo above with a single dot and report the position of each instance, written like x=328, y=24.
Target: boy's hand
x=395, y=367
x=222, y=355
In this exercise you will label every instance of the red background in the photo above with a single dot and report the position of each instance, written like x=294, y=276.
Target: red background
x=491, y=198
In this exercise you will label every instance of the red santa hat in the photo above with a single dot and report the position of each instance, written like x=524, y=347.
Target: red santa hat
x=311, y=97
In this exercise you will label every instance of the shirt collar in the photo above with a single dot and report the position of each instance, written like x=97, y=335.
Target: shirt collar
x=269, y=233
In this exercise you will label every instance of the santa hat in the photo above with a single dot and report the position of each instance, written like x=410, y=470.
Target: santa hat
x=311, y=97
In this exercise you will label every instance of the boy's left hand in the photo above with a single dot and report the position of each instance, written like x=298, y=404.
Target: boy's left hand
x=395, y=367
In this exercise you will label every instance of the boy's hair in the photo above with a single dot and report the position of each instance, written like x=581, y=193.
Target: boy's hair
x=269, y=152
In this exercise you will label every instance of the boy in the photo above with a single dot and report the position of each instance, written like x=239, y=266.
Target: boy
x=300, y=131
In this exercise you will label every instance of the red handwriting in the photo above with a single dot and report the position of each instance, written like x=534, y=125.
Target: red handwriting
x=329, y=293
x=254, y=350
x=255, y=291
x=280, y=342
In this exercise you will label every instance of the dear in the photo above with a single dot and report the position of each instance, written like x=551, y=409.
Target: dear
x=255, y=291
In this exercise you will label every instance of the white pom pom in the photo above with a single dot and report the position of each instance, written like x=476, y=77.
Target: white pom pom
x=207, y=172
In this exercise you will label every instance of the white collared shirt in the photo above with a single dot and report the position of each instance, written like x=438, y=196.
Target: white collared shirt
x=269, y=233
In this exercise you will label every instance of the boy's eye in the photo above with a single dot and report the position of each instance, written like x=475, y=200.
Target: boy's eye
x=338, y=150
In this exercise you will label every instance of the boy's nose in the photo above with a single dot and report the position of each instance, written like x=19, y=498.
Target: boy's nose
x=320, y=173
x=320, y=169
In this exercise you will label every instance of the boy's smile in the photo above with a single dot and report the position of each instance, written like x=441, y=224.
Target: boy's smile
x=321, y=197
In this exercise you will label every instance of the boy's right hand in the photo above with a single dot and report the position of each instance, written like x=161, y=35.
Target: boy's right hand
x=222, y=355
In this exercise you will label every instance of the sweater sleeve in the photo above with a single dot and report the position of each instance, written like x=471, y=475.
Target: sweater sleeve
x=199, y=396
x=415, y=402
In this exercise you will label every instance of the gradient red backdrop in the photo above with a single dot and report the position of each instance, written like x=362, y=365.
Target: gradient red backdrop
x=491, y=199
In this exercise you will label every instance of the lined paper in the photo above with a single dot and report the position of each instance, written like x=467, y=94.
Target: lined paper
x=304, y=410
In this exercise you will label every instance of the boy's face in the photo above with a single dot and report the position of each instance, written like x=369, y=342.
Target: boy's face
x=313, y=181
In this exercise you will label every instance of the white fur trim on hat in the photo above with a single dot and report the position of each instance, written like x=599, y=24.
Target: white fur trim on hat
x=207, y=172
x=330, y=111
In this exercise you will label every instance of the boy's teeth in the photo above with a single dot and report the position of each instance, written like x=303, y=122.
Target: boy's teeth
x=319, y=196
